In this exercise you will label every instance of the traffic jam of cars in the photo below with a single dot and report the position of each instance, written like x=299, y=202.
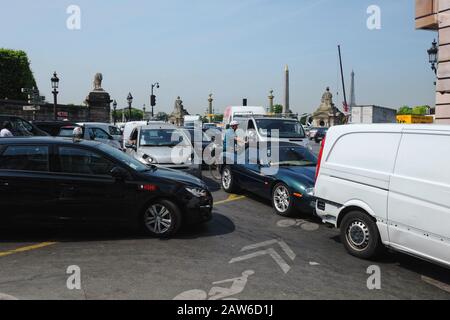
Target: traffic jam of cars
x=368, y=181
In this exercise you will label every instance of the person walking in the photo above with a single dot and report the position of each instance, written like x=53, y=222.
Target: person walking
x=6, y=131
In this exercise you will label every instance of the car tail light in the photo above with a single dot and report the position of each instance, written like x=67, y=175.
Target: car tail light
x=148, y=187
x=319, y=162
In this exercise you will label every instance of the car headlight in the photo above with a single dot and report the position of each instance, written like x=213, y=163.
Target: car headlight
x=310, y=192
x=197, y=192
x=149, y=160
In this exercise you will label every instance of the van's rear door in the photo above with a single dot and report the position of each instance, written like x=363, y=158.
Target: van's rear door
x=419, y=197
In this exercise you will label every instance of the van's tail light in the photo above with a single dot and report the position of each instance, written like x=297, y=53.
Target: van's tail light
x=319, y=162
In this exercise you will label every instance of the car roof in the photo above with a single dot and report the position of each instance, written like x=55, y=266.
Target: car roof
x=388, y=127
x=159, y=126
x=47, y=140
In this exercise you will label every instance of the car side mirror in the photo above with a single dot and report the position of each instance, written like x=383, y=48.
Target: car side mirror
x=131, y=146
x=119, y=173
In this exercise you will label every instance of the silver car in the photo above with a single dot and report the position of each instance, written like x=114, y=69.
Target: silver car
x=163, y=145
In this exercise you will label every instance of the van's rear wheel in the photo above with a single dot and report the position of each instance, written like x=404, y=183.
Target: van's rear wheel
x=360, y=236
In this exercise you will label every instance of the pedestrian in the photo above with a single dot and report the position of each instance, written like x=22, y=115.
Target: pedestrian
x=6, y=131
x=78, y=133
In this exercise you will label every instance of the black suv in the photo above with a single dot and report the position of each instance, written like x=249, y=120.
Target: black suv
x=21, y=127
x=55, y=180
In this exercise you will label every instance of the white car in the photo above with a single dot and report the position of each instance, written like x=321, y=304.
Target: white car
x=163, y=145
x=387, y=185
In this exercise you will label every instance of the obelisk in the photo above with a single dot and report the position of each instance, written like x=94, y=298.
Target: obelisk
x=286, y=106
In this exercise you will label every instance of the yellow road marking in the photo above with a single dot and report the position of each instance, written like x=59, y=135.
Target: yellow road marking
x=231, y=198
x=443, y=286
x=27, y=248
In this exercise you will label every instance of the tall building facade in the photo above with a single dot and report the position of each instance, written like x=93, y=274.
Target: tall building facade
x=435, y=15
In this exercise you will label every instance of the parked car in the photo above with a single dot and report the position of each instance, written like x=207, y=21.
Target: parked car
x=261, y=129
x=312, y=132
x=164, y=145
x=52, y=127
x=207, y=141
x=59, y=180
x=288, y=182
x=320, y=134
x=21, y=127
x=387, y=185
x=113, y=130
x=91, y=132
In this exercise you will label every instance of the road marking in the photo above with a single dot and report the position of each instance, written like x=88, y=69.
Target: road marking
x=7, y=297
x=305, y=225
x=443, y=286
x=275, y=255
x=217, y=292
x=231, y=198
x=27, y=248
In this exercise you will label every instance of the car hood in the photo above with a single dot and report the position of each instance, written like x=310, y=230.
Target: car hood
x=303, y=175
x=177, y=176
x=168, y=155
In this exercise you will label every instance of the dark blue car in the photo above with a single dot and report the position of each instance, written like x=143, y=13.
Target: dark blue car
x=286, y=176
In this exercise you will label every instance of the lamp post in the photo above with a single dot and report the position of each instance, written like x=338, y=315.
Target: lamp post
x=143, y=108
x=433, y=55
x=210, y=108
x=271, y=97
x=55, y=86
x=153, y=98
x=114, y=111
x=130, y=101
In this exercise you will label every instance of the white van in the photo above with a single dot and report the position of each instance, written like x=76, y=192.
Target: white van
x=232, y=112
x=260, y=129
x=387, y=185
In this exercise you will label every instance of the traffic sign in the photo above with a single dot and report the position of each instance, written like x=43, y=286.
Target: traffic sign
x=31, y=108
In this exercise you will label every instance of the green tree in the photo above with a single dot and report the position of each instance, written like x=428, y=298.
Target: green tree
x=15, y=74
x=420, y=110
x=136, y=114
x=405, y=110
x=162, y=116
x=277, y=109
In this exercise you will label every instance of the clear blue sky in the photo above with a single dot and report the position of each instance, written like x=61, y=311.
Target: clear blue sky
x=232, y=48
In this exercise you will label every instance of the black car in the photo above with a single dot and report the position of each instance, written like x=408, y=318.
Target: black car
x=52, y=127
x=58, y=180
x=320, y=135
x=21, y=127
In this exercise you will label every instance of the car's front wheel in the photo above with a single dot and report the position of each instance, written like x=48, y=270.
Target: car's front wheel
x=228, y=181
x=161, y=219
x=282, y=200
x=360, y=236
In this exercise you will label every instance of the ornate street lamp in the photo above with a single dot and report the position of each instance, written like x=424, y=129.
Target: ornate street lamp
x=114, y=111
x=433, y=55
x=130, y=101
x=55, y=86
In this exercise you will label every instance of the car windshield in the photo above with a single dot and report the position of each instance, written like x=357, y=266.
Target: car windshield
x=163, y=138
x=294, y=156
x=286, y=128
x=66, y=132
x=123, y=157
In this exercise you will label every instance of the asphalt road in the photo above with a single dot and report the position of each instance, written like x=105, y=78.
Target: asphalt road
x=269, y=257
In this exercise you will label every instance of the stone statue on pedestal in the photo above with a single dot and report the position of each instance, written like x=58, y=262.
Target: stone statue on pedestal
x=98, y=78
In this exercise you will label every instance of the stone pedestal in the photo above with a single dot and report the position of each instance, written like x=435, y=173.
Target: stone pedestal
x=99, y=106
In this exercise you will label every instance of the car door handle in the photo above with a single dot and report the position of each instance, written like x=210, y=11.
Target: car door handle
x=4, y=183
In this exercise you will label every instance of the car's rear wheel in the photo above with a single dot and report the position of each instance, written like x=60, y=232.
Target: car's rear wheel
x=360, y=236
x=228, y=180
x=161, y=219
x=282, y=200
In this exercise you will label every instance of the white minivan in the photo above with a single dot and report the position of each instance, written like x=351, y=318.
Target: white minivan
x=387, y=186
